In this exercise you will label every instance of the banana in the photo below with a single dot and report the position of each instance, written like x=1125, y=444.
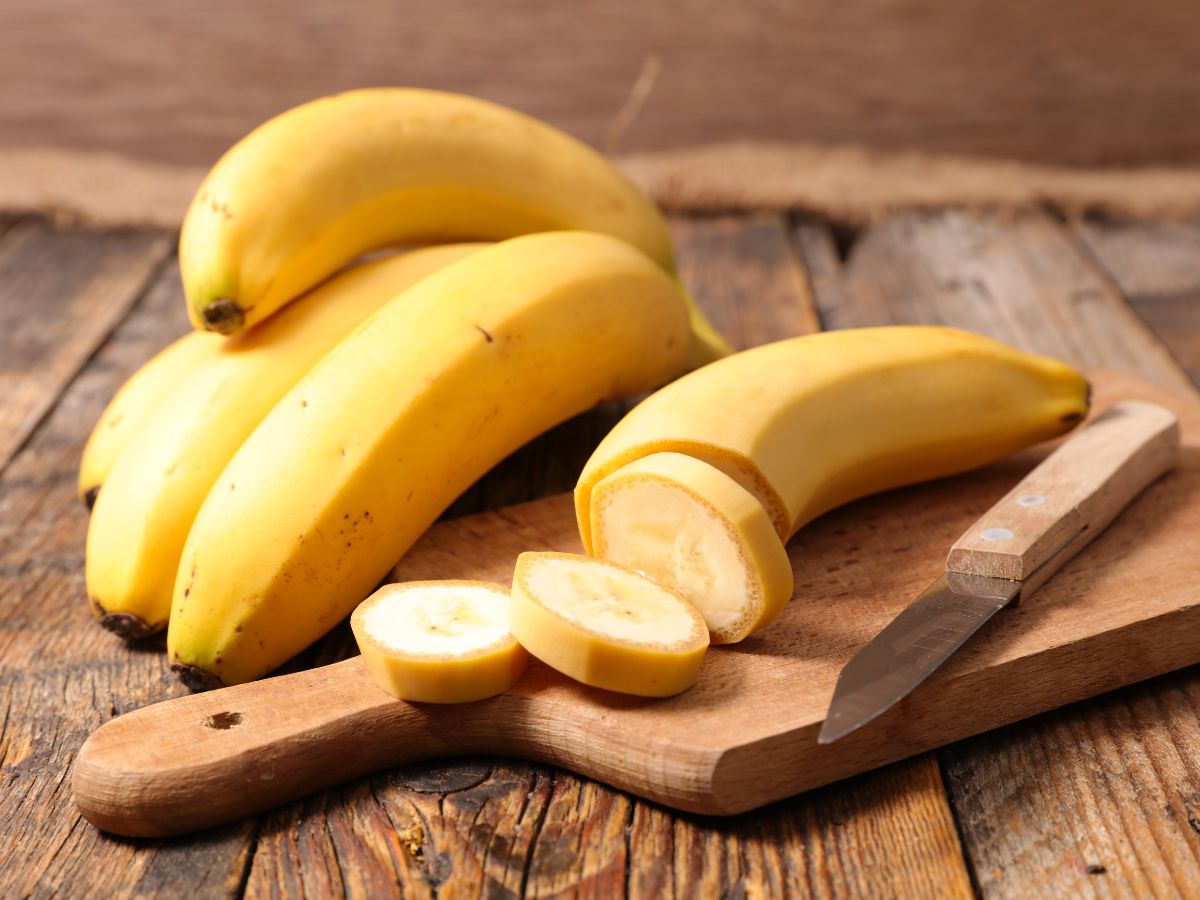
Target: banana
x=136, y=403
x=322, y=183
x=439, y=641
x=691, y=528
x=143, y=514
x=605, y=625
x=368, y=449
x=813, y=422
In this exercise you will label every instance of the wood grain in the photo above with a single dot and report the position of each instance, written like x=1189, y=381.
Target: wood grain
x=60, y=675
x=1020, y=279
x=1156, y=265
x=1037, y=804
x=61, y=293
x=1071, y=82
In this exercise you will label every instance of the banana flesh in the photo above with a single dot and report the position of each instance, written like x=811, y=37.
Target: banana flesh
x=327, y=181
x=695, y=531
x=811, y=423
x=136, y=402
x=367, y=450
x=605, y=625
x=439, y=641
x=154, y=490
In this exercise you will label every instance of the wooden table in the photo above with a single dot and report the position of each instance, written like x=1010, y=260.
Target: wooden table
x=1097, y=798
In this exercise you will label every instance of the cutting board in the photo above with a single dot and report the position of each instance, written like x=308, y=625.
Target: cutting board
x=1126, y=609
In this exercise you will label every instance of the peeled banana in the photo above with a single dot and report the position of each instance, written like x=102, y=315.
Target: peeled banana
x=439, y=641
x=315, y=187
x=150, y=497
x=367, y=450
x=689, y=527
x=605, y=625
x=810, y=423
x=135, y=403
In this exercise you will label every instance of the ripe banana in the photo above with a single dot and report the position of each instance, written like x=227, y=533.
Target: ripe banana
x=368, y=449
x=322, y=183
x=691, y=528
x=135, y=403
x=142, y=517
x=813, y=422
x=605, y=625
x=439, y=641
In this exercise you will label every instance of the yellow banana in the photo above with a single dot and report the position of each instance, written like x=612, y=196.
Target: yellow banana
x=324, y=182
x=136, y=403
x=813, y=422
x=369, y=448
x=142, y=516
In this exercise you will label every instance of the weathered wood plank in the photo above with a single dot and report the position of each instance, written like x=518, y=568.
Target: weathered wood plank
x=60, y=675
x=1094, y=81
x=61, y=293
x=1021, y=279
x=742, y=269
x=514, y=828
x=1095, y=798
x=1157, y=267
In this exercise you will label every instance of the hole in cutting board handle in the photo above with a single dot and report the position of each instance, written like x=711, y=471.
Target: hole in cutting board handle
x=223, y=721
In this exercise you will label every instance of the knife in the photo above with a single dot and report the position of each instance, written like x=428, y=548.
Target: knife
x=1018, y=544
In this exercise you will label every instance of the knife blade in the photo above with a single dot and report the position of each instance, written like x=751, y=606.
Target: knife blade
x=1014, y=548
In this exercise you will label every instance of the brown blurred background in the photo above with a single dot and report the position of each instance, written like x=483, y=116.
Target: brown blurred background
x=1108, y=81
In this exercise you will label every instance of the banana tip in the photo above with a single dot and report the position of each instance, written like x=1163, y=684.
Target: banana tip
x=89, y=496
x=124, y=625
x=196, y=678
x=224, y=316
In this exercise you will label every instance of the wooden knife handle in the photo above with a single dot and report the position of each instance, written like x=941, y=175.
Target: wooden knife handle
x=1071, y=496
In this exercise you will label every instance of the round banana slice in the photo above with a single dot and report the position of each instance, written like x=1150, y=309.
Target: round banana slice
x=689, y=527
x=439, y=641
x=606, y=626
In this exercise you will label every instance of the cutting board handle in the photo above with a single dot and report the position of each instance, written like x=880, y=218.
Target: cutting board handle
x=1070, y=497
x=209, y=758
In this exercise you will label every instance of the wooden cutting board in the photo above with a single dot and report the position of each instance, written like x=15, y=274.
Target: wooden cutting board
x=1126, y=609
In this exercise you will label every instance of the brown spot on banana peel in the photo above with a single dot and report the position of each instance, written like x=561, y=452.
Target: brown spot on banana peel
x=224, y=316
x=196, y=678
x=126, y=625
x=90, y=495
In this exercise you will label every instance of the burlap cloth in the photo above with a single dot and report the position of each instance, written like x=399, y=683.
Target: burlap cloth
x=842, y=184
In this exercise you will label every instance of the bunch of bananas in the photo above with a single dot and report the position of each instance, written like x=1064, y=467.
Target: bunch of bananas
x=250, y=487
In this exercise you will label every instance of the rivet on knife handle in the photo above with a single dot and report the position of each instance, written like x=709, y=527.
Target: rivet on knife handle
x=1070, y=497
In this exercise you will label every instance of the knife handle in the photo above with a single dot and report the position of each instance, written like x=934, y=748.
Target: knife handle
x=1070, y=497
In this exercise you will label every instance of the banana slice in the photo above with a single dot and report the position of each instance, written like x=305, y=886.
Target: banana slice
x=605, y=625
x=692, y=529
x=439, y=641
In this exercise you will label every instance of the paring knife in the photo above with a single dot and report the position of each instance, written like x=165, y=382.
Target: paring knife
x=1008, y=554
